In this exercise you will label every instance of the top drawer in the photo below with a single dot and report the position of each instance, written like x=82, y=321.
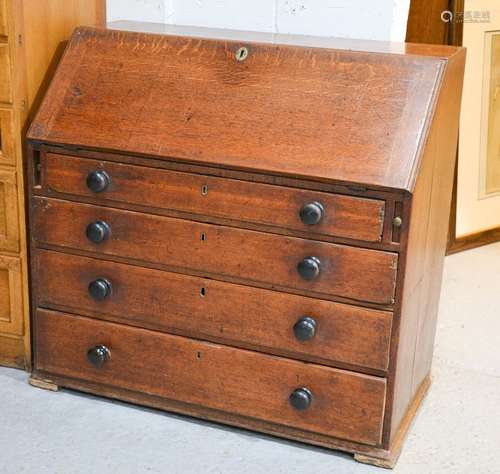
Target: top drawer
x=278, y=206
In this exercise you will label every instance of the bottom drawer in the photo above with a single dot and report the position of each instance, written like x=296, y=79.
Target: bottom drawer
x=336, y=403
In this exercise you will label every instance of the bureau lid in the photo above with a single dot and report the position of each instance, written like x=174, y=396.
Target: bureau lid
x=308, y=111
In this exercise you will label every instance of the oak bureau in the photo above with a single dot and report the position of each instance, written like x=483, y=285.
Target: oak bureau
x=248, y=229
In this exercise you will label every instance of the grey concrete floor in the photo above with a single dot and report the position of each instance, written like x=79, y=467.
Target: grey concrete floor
x=457, y=431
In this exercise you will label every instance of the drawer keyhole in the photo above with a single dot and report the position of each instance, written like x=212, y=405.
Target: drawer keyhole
x=241, y=54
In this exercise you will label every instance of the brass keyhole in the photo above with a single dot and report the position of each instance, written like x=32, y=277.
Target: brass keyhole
x=204, y=190
x=241, y=54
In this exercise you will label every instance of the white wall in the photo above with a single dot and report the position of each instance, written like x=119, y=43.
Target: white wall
x=366, y=19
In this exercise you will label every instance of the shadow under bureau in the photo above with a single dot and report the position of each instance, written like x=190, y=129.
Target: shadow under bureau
x=248, y=229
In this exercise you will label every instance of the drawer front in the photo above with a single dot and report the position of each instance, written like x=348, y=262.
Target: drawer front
x=271, y=321
x=342, y=404
x=342, y=216
x=269, y=259
x=5, y=73
x=11, y=296
x=7, y=139
x=9, y=218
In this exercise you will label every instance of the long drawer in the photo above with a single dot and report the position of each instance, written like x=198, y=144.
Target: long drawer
x=280, y=323
x=278, y=206
x=275, y=260
x=333, y=402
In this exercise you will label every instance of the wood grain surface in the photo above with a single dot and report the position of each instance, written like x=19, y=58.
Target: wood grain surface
x=30, y=35
x=209, y=309
x=8, y=137
x=249, y=256
x=344, y=404
x=426, y=246
x=210, y=159
x=9, y=214
x=345, y=216
x=328, y=115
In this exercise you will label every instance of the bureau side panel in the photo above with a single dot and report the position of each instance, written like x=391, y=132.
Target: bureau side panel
x=443, y=146
x=427, y=243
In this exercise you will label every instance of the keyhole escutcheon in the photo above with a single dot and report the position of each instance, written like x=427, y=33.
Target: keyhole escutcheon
x=241, y=53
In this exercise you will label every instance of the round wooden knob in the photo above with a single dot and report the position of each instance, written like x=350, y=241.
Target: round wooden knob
x=312, y=213
x=98, y=181
x=305, y=328
x=97, y=231
x=309, y=268
x=301, y=398
x=100, y=289
x=98, y=355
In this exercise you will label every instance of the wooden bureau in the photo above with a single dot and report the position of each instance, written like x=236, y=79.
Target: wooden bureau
x=30, y=35
x=248, y=229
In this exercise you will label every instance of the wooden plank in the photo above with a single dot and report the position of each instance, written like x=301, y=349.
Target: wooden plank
x=427, y=243
x=8, y=143
x=11, y=297
x=425, y=24
x=5, y=73
x=389, y=461
x=30, y=32
x=47, y=23
x=9, y=213
x=12, y=352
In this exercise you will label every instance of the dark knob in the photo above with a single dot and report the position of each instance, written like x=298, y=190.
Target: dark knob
x=305, y=328
x=98, y=181
x=97, y=231
x=312, y=213
x=100, y=289
x=301, y=398
x=98, y=355
x=309, y=268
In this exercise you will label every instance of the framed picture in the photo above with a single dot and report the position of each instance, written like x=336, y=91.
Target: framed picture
x=478, y=173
